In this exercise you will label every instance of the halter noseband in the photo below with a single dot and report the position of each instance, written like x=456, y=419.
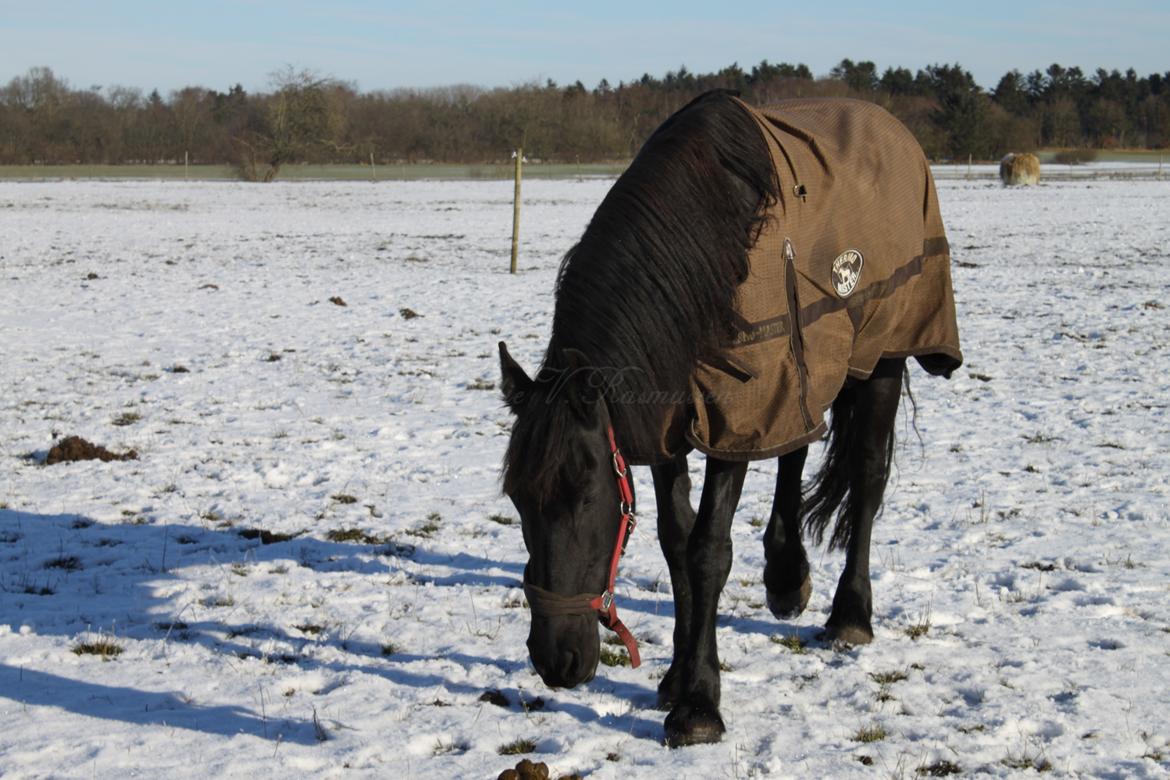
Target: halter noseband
x=548, y=604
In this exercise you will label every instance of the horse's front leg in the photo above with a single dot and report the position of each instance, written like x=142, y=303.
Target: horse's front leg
x=676, y=519
x=695, y=716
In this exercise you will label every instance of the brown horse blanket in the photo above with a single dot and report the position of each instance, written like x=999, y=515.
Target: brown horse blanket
x=851, y=266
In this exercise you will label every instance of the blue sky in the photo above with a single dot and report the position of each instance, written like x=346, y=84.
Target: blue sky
x=384, y=45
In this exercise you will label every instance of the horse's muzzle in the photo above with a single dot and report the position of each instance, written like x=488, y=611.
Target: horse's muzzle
x=565, y=651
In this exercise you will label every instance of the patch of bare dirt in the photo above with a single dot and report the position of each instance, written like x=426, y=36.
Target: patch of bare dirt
x=74, y=448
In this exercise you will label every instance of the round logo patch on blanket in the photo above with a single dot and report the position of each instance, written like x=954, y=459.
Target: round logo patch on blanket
x=847, y=272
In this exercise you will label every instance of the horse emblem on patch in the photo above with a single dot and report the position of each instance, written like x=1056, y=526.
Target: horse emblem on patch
x=847, y=272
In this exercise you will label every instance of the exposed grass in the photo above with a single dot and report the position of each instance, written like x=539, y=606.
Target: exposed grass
x=319, y=732
x=921, y=628
x=310, y=628
x=428, y=528
x=501, y=519
x=344, y=498
x=444, y=748
x=1024, y=762
x=867, y=734
x=611, y=657
x=887, y=678
x=1130, y=155
x=1074, y=156
x=517, y=747
x=267, y=537
x=396, y=172
x=103, y=646
x=354, y=535
x=126, y=418
x=939, y=769
x=395, y=549
x=389, y=648
x=791, y=642
x=64, y=563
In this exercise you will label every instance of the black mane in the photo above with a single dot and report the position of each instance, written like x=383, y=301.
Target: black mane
x=650, y=288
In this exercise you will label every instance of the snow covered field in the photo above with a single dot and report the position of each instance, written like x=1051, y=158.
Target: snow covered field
x=309, y=569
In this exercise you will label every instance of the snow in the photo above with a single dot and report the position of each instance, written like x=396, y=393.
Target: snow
x=1025, y=535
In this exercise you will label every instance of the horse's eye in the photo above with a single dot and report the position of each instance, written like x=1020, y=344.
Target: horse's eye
x=589, y=495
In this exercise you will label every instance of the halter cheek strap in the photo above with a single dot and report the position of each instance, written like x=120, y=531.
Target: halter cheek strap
x=549, y=604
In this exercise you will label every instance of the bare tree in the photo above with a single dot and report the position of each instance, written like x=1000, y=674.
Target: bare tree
x=302, y=115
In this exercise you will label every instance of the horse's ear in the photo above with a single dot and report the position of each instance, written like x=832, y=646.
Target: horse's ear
x=515, y=383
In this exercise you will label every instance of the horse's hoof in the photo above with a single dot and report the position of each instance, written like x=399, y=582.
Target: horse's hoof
x=849, y=634
x=786, y=606
x=693, y=725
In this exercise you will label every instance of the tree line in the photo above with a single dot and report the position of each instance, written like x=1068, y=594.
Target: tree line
x=307, y=118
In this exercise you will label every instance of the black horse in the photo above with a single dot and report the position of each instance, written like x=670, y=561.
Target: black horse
x=649, y=293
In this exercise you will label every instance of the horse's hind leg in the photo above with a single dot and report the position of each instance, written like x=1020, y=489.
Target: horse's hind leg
x=875, y=409
x=786, y=572
x=676, y=518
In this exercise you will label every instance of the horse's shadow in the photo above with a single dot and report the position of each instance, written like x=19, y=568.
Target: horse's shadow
x=44, y=560
x=138, y=707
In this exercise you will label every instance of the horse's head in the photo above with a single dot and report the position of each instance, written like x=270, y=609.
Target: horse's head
x=559, y=472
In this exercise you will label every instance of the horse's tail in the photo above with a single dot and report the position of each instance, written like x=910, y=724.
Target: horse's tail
x=829, y=493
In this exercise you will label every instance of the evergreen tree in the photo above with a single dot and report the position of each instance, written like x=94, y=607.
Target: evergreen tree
x=962, y=111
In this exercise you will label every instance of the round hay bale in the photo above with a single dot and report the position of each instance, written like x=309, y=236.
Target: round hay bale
x=1019, y=169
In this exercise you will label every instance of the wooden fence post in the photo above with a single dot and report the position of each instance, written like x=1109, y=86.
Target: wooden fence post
x=516, y=208
x=373, y=170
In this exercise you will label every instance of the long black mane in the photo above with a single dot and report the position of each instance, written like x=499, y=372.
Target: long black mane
x=650, y=288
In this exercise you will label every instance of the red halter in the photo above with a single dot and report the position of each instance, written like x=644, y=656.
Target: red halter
x=551, y=604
